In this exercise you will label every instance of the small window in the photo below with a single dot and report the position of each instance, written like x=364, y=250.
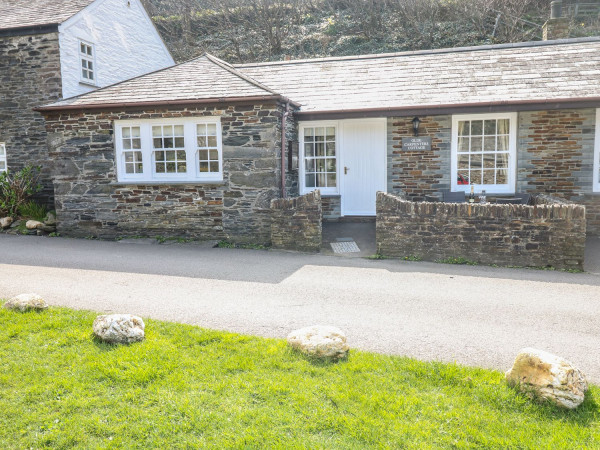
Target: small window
x=483, y=152
x=319, y=155
x=2, y=157
x=88, y=64
x=169, y=150
x=596, y=175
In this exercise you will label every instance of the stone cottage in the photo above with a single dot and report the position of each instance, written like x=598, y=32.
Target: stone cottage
x=53, y=49
x=200, y=149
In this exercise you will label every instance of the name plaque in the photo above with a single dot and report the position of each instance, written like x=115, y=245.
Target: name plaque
x=416, y=143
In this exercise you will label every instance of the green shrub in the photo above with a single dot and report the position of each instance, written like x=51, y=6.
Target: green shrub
x=33, y=210
x=18, y=187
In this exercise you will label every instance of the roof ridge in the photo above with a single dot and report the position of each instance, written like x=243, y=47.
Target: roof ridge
x=231, y=69
x=424, y=52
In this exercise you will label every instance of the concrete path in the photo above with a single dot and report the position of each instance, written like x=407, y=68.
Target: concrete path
x=477, y=316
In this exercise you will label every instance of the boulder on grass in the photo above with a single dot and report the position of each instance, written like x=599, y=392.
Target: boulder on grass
x=119, y=328
x=33, y=224
x=5, y=222
x=320, y=341
x=548, y=377
x=26, y=302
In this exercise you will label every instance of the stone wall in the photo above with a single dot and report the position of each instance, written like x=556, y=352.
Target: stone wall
x=508, y=235
x=297, y=223
x=90, y=202
x=29, y=77
x=419, y=173
x=332, y=208
x=556, y=157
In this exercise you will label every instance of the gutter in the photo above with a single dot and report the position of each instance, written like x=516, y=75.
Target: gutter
x=283, y=141
x=480, y=107
x=188, y=102
x=25, y=31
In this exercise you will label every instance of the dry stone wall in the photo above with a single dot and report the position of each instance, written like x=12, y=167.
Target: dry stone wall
x=297, y=223
x=29, y=77
x=90, y=202
x=551, y=234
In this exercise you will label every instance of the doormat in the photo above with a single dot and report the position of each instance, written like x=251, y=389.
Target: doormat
x=345, y=247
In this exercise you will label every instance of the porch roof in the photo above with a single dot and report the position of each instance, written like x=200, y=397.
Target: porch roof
x=532, y=72
x=205, y=79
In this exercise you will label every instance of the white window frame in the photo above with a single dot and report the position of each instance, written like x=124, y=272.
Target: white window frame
x=3, y=157
x=512, y=154
x=92, y=59
x=149, y=174
x=302, y=164
x=596, y=165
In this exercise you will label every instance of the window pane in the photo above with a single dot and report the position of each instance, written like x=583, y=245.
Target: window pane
x=126, y=132
x=212, y=141
x=309, y=150
x=137, y=143
x=489, y=143
x=82, y=48
x=181, y=167
x=90, y=65
x=476, y=176
x=214, y=155
x=330, y=149
x=320, y=149
x=128, y=157
x=135, y=132
x=309, y=134
x=488, y=176
x=489, y=161
x=170, y=156
x=126, y=144
x=139, y=167
x=331, y=180
x=502, y=143
x=211, y=129
x=463, y=144
x=201, y=141
x=476, y=144
x=157, y=143
x=201, y=129
x=490, y=127
x=330, y=165
x=203, y=155
x=463, y=162
x=310, y=165
x=156, y=131
x=203, y=166
x=160, y=167
x=321, y=180
x=476, y=127
x=181, y=155
x=168, y=142
x=2, y=165
x=503, y=126
x=319, y=134
x=320, y=165
x=167, y=131
x=464, y=128
x=214, y=166
x=502, y=161
x=330, y=133
x=501, y=177
x=160, y=156
x=178, y=130
x=179, y=142
x=171, y=167
x=475, y=162
x=310, y=180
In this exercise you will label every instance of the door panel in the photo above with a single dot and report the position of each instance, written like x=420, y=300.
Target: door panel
x=363, y=168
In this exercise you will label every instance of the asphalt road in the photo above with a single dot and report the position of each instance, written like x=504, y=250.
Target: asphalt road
x=478, y=316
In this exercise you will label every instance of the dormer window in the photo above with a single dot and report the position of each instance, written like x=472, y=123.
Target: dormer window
x=88, y=64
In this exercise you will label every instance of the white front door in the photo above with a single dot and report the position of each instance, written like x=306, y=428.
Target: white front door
x=362, y=164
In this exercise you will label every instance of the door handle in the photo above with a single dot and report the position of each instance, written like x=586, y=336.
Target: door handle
x=345, y=171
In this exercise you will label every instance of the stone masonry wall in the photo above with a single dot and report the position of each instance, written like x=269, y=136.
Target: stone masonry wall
x=555, y=157
x=90, y=202
x=297, y=223
x=511, y=235
x=419, y=173
x=29, y=77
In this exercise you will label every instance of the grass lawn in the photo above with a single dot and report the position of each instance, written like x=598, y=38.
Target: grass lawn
x=189, y=387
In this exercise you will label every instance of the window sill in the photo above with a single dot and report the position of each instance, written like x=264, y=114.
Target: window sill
x=88, y=84
x=167, y=183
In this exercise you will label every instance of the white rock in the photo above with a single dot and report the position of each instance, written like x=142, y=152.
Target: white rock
x=26, y=302
x=5, y=222
x=33, y=224
x=549, y=377
x=119, y=328
x=320, y=341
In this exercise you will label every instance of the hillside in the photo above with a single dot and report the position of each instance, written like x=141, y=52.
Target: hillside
x=262, y=30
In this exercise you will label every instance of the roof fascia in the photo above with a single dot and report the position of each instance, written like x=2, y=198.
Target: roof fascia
x=75, y=17
x=430, y=110
x=26, y=31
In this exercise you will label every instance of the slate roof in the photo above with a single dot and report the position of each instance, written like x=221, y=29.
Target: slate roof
x=508, y=74
x=201, y=79
x=535, y=71
x=31, y=13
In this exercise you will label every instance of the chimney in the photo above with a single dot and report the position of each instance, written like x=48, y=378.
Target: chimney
x=557, y=27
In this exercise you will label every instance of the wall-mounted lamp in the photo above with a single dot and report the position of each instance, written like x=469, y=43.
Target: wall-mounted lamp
x=416, y=122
